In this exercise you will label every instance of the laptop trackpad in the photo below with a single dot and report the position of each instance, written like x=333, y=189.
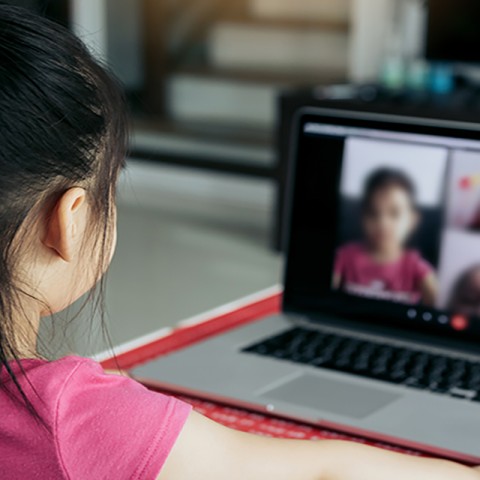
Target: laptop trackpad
x=333, y=396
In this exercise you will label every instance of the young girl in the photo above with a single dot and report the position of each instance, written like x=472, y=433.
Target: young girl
x=62, y=143
x=381, y=266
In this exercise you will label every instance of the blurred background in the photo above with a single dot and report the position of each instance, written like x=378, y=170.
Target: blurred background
x=212, y=86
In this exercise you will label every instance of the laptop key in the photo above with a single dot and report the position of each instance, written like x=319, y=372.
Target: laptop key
x=463, y=393
x=437, y=388
x=415, y=383
x=319, y=361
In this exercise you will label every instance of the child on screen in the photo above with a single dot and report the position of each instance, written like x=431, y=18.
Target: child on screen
x=465, y=295
x=381, y=266
x=62, y=137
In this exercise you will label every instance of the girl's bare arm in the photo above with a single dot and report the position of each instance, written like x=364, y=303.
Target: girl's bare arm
x=429, y=289
x=206, y=450
x=336, y=281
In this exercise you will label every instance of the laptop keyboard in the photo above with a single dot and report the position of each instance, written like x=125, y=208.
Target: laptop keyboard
x=402, y=366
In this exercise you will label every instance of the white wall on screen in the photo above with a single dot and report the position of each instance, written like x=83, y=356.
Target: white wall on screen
x=425, y=165
x=464, y=199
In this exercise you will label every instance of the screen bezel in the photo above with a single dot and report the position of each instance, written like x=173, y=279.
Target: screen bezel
x=362, y=310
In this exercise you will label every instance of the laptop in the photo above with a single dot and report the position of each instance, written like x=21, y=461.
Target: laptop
x=379, y=333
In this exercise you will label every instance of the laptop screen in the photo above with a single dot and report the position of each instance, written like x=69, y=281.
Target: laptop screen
x=385, y=223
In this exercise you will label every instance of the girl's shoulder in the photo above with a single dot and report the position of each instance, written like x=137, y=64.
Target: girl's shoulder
x=46, y=382
x=413, y=255
x=92, y=414
x=351, y=248
x=45, y=377
x=414, y=258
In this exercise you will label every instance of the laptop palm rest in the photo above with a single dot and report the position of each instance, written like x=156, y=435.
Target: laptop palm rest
x=333, y=396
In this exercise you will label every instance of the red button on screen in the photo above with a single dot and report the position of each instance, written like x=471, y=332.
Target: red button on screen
x=465, y=183
x=459, y=322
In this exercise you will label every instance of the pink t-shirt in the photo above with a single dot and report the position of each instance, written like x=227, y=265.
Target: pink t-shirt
x=397, y=281
x=99, y=426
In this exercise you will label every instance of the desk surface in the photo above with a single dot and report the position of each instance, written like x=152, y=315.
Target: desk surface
x=212, y=323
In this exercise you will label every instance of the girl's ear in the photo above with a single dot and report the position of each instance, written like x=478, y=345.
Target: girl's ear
x=66, y=225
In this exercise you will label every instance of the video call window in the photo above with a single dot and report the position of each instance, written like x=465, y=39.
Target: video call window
x=409, y=226
x=460, y=263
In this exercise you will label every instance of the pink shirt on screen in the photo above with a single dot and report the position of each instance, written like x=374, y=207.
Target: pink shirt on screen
x=99, y=426
x=397, y=281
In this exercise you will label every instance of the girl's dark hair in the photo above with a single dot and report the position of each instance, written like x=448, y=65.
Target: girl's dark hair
x=460, y=290
x=384, y=178
x=62, y=124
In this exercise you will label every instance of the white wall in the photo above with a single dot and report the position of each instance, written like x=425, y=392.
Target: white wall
x=89, y=23
x=375, y=26
x=112, y=31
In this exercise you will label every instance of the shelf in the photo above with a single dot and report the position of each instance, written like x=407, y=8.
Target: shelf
x=207, y=146
x=294, y=24
x=274, y=77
